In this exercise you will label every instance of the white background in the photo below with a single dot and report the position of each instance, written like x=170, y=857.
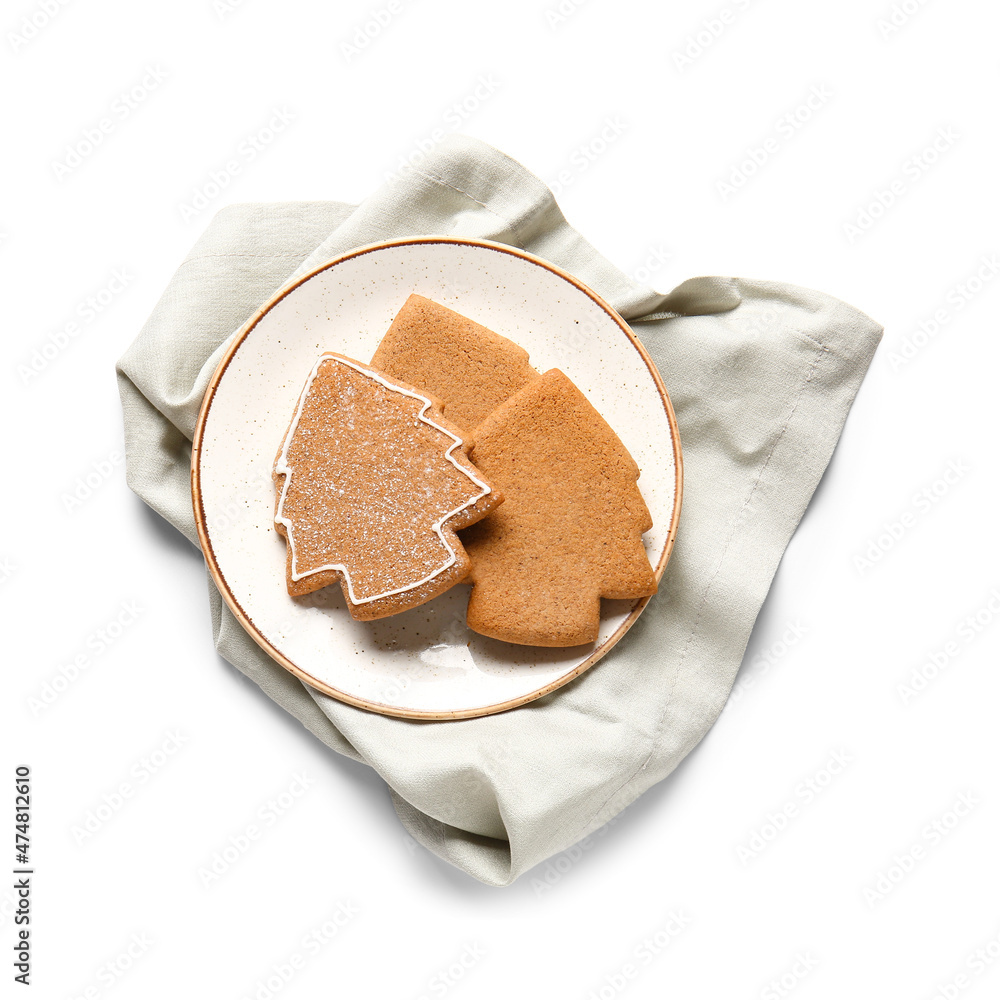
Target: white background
x=860, y=630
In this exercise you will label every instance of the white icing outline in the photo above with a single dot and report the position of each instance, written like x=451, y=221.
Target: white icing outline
x=281, y=466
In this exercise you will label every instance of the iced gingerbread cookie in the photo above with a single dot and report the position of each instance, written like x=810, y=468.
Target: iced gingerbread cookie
x=471, y=369
x=570, y=530
x=372, y=483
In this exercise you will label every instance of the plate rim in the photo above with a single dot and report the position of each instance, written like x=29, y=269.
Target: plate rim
x=218, y=578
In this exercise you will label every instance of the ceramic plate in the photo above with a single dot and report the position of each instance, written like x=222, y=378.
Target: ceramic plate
x=424, y=663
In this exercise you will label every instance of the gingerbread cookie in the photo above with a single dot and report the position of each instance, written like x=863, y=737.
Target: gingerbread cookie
x=471, y=369
x=570, y=531
x=372, y=484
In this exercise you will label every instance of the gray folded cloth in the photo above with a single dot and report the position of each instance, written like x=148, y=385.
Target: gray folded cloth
x=761, y=375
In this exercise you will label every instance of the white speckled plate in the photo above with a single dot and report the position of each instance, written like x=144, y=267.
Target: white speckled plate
x=424, y=663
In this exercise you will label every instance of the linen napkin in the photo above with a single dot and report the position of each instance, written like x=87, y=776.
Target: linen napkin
x=761, y=376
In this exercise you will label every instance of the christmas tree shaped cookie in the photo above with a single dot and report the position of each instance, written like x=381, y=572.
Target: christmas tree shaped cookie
x=570, y=530
x=372, y=484
x=466, y=366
